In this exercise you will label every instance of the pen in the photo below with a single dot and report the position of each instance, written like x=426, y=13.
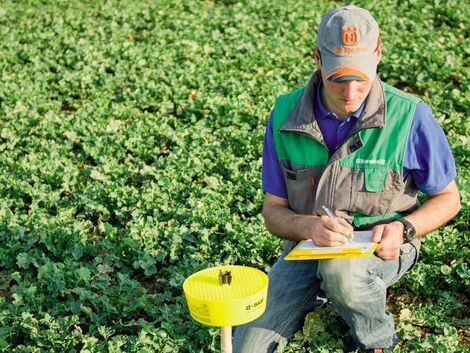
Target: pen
x=333, y=217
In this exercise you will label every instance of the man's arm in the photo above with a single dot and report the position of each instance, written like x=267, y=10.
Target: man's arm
x=287, y=224
x=435, y=212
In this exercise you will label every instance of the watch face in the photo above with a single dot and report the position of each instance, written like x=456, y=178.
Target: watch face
x=409, y=235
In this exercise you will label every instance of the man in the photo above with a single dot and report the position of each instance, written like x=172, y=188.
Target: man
x=363, y=149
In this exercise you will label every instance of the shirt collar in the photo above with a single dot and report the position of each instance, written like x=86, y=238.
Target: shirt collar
x=320, y=111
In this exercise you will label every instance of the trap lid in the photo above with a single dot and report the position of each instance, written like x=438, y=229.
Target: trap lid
x=226, y=295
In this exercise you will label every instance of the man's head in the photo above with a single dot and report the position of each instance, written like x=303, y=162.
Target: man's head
x=348, y=52
x=348, y=44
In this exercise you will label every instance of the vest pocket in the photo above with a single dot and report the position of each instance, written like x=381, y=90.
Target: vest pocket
x=300, y=189
x=373, y=190
x=374, y=179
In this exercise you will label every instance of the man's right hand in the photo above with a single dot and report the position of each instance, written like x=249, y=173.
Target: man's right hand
x=285, y=223
x=325, y=231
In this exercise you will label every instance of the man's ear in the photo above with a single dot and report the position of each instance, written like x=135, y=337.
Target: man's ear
x=378, y=49
x=318, y=58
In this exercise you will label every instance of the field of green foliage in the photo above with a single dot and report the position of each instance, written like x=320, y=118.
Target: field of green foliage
x=130, y=142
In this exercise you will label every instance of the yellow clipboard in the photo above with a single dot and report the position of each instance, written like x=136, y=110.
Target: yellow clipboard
x=362, y=247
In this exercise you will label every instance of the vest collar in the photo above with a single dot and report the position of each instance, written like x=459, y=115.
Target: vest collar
x=302, y=119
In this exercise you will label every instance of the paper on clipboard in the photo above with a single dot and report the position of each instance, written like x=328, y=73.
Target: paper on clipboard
x=362, y=247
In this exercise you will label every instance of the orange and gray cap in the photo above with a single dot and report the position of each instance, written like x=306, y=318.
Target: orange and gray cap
x=348, y=38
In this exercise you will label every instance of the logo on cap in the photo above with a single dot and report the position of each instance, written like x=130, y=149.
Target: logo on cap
x=350, y=36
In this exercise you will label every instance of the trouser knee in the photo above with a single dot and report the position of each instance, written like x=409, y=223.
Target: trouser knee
x=343, y=280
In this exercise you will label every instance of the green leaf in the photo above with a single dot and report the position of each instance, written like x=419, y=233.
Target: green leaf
x=83, y=274
x=23, y=260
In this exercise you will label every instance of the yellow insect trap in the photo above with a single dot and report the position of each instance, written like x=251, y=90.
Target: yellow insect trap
x=226, y=296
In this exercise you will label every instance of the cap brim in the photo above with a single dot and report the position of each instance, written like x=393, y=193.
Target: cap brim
x=341, y=68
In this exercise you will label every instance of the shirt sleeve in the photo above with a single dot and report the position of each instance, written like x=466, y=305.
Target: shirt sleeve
x=272, y=178
x=428, y=157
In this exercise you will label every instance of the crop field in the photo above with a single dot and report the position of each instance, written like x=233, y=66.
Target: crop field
x=131, y=135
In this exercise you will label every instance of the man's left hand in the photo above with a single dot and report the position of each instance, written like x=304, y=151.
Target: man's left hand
x=390, y=237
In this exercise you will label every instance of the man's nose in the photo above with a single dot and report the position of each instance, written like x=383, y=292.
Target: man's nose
x=350, y=89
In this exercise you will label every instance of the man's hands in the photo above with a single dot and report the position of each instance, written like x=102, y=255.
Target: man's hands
x=390, y=237
x=325, y=231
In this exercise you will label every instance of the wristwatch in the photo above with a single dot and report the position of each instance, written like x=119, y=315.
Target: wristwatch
x=409, y=232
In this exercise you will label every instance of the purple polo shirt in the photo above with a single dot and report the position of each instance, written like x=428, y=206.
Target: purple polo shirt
x=427, y=156
x=333, y=129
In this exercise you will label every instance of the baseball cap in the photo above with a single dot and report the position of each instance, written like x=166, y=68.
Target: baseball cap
x=348, y=38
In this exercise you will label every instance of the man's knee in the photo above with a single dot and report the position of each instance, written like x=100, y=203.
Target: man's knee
x=343, y=278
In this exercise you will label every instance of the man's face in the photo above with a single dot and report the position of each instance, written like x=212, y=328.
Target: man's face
x=345, y=97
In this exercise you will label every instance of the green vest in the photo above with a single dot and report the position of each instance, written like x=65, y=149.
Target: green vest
x=362, y=180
